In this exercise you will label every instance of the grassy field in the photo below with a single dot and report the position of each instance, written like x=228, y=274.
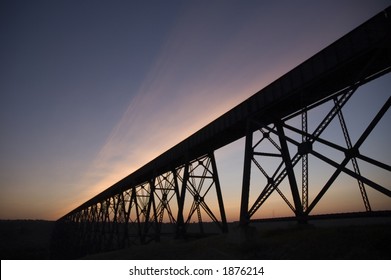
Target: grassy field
x=350, y=242
x=31, y=240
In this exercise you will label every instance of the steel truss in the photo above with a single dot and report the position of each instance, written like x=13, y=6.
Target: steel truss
x=172, y=204
x=280, y=133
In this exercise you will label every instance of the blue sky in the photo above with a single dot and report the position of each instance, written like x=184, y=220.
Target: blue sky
x=92, y=90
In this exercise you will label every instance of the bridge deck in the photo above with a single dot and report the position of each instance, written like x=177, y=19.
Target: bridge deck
x=361, y=55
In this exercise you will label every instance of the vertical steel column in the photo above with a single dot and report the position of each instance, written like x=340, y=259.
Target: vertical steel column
x=134, y=195
x=181, y=224
x=177, y=193
x=304, y=161
x=290, y=172
x=124, y=221
x=218, y=192
x=151, y=204
x=248, y=154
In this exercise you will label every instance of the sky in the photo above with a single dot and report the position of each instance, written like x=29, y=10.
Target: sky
x=92, y=90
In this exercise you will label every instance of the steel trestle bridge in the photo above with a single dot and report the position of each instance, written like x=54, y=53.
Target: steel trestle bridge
x=171, y=195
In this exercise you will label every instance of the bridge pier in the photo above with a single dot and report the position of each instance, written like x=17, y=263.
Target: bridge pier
x=275, y=134
x=200, y=177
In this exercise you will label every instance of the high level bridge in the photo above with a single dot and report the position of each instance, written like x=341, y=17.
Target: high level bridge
x=167, y=195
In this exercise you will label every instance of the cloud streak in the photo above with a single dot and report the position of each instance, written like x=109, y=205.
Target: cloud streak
x=168, y=107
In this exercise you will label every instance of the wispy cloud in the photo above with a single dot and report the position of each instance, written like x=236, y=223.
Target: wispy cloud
x=170, y=104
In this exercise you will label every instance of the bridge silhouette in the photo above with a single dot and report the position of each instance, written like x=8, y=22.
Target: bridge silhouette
x=171, y=195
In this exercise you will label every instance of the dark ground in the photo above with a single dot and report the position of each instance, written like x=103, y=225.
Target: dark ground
x=26, y=239
x=333, y=243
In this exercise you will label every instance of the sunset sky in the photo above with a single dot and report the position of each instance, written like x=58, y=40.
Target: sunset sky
x=92, y=90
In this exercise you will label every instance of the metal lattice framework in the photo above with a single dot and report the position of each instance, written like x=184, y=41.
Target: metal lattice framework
x=276, y=135
x=169, y=204
x=177, y=192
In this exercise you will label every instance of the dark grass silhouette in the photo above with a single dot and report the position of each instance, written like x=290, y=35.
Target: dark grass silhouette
x=27, y=239
x=332, y=243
